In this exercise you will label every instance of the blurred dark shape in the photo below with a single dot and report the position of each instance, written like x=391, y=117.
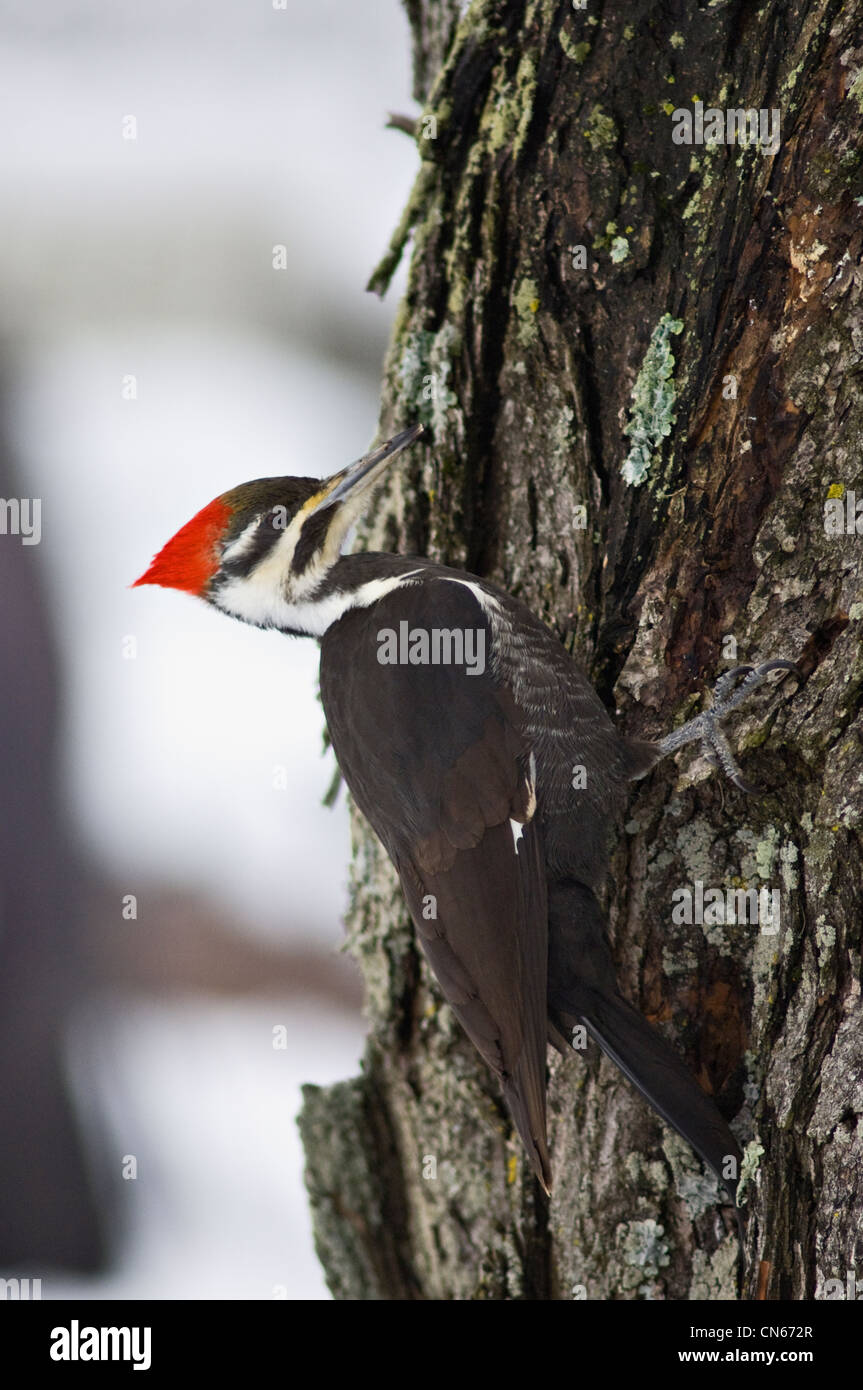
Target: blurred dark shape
x=189, y=946
x=48, y=1213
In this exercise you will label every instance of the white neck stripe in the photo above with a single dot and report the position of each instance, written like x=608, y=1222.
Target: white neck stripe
x=244, y=600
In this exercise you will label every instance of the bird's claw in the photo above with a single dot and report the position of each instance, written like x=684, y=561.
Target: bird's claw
x=724, y=703
x=706, y=727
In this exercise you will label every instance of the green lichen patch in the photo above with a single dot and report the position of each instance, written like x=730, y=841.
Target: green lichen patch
x=423, y=372
x=752, y=1156
x=766, y=850
x=507, y=116
x=651, y=414
x=576, y=51
x=697, y=1188
x=715, y=1276
x=643, y=1247
x=600, y=131
x=526, y=303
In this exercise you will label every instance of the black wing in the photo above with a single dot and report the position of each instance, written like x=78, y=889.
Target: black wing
x=436, y=761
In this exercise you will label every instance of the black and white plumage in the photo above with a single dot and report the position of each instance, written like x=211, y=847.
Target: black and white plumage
x=473, y=797
x=492, y=786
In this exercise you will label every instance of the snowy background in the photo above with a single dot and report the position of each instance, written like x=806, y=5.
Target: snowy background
x=151, y=259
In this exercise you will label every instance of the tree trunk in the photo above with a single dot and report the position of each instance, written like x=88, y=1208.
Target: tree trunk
x=639, y=442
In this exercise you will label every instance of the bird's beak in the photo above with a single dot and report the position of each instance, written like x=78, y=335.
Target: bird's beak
x=359, y=475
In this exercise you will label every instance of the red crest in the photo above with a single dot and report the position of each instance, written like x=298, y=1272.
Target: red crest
x=190, y=558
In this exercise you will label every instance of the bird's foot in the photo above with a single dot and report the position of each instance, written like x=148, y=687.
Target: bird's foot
x=705, y=727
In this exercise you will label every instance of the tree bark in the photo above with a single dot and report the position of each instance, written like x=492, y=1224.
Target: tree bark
x=641, y=449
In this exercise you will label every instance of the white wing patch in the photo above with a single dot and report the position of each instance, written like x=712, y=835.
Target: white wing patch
x=487, y=602
x=517, y=833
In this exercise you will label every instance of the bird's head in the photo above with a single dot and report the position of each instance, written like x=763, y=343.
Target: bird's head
x=262, y=551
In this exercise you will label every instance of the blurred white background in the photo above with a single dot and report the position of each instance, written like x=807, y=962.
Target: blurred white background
x=152, y=258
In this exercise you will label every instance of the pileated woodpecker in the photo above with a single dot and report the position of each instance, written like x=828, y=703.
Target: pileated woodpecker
x=485, y=762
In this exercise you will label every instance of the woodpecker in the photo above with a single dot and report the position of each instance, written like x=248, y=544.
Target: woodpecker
x=485, y=762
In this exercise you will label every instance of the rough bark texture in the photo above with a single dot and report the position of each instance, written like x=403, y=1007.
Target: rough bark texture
x=539, y=379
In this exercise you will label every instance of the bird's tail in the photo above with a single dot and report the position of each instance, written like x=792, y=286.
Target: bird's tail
x=583, y=990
